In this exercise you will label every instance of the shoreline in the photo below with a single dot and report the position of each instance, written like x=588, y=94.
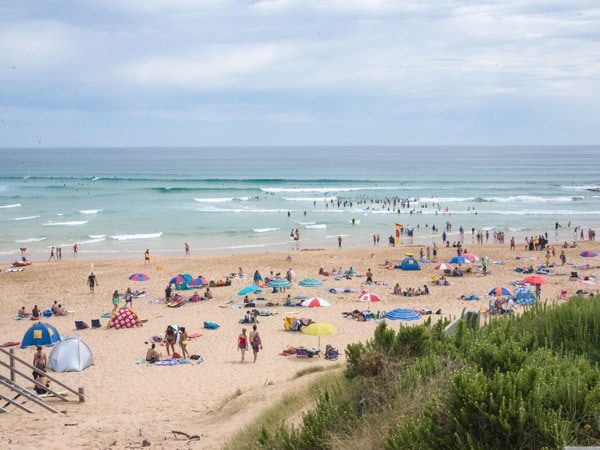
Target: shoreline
x=129, y=402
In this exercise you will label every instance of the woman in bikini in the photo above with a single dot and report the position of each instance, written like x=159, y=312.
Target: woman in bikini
x=243, y=343
x=183, y=341
x=170, y=339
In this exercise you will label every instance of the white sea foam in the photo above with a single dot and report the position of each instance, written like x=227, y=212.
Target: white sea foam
x=309, y=199
x=129, y=237
x=15, y=205
x=528, y=199
x=72, y=223
x=92, y=241
x=97, y=236
x=90, y=211
x=243, y=199
x=264, y=230
x=25, y=218
x=214, y=200
x=317, y=226
x=325, y=190
x=24, y=241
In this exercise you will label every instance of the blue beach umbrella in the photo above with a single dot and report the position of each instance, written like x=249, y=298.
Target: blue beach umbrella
x=139, y=277
x=310, y=282
x=500, y=292
x=459, y=260
x=248, y=290
x=200, y=281
x=588, y=254
x=279, y=283
x=403, y=314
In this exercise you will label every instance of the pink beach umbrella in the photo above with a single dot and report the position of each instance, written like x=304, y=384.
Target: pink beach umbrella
x=443, y=266
x=315, y=302
x=470, y=256
x=369, y=297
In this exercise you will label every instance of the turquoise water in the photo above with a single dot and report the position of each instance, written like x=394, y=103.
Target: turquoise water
x=118, y=202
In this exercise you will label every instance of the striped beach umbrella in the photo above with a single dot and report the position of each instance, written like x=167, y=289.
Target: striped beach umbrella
x=588, y=254
x=139, y=277
x=500, y=292
x=310, y=282
x=403, y=314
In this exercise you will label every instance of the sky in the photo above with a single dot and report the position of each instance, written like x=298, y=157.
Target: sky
x=298, y=72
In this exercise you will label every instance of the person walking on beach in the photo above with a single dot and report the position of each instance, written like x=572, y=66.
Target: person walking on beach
x=340, y=241
x=147, y=256
x=187, y=249
x=255, y=341
x=52, y=256
x=40, y=361
x=92, y=281
x=243, y=343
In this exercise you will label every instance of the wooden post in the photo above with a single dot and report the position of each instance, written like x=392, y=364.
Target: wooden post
x=12, y=364
x=81, y=395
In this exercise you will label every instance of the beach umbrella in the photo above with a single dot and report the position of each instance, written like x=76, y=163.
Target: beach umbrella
x=310, y=282
x=369, y=297
x=139, y=277
x=278, y=283
x=248, y=290
x=200, y=281
x=319, y=329
x=403, y=314
x=500, y=291
x=470, y=256
x=588, y=254
x=315, y=302
x=177, y=280
x=443, y=266
x=459, y=260
x=535, y=279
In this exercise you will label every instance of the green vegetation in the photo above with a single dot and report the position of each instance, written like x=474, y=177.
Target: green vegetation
x=530, y=382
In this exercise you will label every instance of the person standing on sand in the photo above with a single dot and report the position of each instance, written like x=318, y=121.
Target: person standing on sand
x=183, y=341
x=170, y=339
x=40, y=361
x=115, y=301
x=340, y=241
x=147, y=256
x=243, y=343
x=75, y=248
x=255, y=341
x=92, y=281
x=187, y=249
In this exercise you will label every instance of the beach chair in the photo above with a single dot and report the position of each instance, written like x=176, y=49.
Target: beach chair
x=562, y=295
x=96, y=323
x=80, y=325
x=574, y=275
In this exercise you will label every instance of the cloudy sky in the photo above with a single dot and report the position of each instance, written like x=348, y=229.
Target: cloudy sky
x=298, y=72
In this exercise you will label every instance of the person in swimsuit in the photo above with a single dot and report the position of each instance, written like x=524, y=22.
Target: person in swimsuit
x=170, y=339
x=152, y=355
x=183, y=341
x=255, y=341
x=115, y=301
x=40, y=361
x=243, y=343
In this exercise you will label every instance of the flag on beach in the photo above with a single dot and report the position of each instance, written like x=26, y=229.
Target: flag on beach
x=399, y=229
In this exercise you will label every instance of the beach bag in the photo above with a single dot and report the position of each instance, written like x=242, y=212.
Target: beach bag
x=176, y=355
x=211, y=325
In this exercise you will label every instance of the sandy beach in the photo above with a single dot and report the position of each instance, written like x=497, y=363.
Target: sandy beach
x=127, y=403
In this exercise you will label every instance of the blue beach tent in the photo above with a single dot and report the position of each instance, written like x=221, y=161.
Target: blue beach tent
x=409, y=263
x=40, y=334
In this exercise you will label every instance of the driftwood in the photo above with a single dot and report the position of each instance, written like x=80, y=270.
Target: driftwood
x=191, y=437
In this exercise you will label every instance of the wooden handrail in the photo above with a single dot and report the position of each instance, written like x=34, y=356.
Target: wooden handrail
x=79, y=393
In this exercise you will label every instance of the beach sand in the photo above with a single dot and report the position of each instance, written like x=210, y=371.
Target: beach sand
x=127, y=403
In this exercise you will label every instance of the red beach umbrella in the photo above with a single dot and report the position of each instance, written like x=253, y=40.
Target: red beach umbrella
x=139, y=277
x=369, y=297
x=443, y=266
x=535, y=279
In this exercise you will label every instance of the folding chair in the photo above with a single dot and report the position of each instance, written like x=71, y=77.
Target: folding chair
x=574, y=275
x=79, y=325
x=96, y=323
x=562, y=295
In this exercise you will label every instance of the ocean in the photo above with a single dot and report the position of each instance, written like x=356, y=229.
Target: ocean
x=118, y=202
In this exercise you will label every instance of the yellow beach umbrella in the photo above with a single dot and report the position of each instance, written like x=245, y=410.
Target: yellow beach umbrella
x=319, y=329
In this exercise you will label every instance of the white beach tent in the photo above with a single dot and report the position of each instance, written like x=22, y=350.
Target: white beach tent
x=70, y=355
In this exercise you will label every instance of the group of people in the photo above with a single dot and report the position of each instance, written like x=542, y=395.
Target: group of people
x=56, y=309
x=254, y=340
x=170, y=338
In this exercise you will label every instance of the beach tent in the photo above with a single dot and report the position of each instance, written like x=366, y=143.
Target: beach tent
x=523, y=296
x=409, y=263
x=70, y=355
x=40, y=334
x=124, y=318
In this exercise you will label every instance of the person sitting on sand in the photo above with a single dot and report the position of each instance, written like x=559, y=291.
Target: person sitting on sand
x=565, y=245
x=207, y=295
x=54, y=307
x=425, y=290
x=60, y=311
x=574, y=244
x=35, y=312
x=288, y=300
x=43, y=380
x=195, y=297
x=397, y=289
x=152, y=355
x=22, y=312
x=417, y=291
